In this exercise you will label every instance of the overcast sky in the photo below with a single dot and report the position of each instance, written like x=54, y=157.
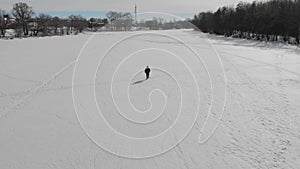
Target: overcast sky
x=167, y=6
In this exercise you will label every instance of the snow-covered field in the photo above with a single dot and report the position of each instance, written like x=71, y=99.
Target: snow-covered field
x=78, y=102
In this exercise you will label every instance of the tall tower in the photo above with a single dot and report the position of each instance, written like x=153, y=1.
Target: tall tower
x=135, y=13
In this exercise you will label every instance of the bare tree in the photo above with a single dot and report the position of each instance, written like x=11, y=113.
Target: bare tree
x=127, y=21
x=95, y=23
x=4, y=18
x=78, y=22
x=113, y=18
x=22, y=13
x=43, y=21
x=56, y=23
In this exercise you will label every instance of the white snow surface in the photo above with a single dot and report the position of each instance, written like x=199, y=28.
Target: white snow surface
x=48, y=122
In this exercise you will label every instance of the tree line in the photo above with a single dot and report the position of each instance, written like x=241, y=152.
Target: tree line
x=25, y=22
x=272, y=20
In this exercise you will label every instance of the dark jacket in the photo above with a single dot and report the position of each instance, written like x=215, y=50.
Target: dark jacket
x=147, y=70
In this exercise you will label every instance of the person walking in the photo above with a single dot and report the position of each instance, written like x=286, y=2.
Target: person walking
x=147, y=72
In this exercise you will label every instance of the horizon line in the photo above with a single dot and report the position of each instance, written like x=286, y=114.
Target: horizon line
x=90, y=14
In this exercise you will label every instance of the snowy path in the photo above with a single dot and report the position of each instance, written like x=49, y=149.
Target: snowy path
x=260, y=127
x=265, y=87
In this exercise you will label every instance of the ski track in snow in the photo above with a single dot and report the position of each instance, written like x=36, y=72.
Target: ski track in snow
x=33, y=92
x=260, y=127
